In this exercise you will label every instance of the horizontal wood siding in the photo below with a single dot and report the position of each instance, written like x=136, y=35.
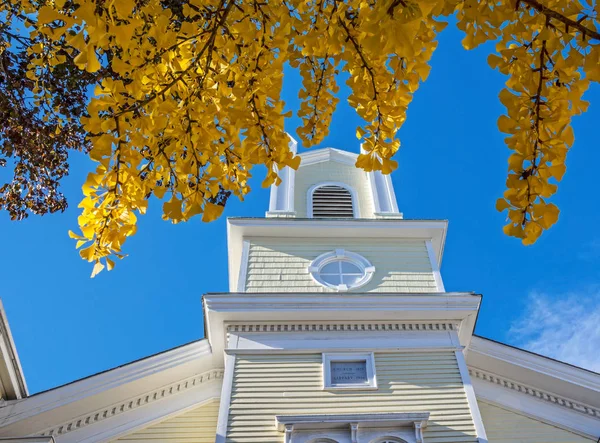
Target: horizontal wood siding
x=265, y=386
x=357, y=179
x=504, y=426
x=195, y=426
x=281, y=264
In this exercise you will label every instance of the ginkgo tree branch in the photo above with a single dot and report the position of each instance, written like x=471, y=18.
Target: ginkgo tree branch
x=569, y=23
x=198, y=91
x=369, y=70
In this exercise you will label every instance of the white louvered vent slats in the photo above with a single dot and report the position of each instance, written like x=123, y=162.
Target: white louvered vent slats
x=332, y=201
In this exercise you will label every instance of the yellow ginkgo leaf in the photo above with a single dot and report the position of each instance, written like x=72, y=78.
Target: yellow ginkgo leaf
x=211, y=212
x=98, y=267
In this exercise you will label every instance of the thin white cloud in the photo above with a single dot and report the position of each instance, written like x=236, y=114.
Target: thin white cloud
x=565, y=327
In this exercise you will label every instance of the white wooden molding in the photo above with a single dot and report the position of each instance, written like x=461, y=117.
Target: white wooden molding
x=368, y=420
x=367, y=357
x=117, y=377
x=519, y=359
x=471, y=398
x=434, y=266
x=12, y=381
x=535, y=392
x=354, y=432
x=346, y=326
x=112, y=410
x=281, y=202
x=383, y=195
x=290, y=424
x=419, y=432
x=312, y=157
x=533, y=407
x=241, y=283
x=27, y=439
x=223, y=418
x=141, y=418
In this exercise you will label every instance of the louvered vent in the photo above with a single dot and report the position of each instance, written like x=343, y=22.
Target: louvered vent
x=331, y=201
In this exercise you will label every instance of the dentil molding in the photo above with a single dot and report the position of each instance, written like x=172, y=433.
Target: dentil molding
x=334, y=327
x=534, y=392
x=132, y=403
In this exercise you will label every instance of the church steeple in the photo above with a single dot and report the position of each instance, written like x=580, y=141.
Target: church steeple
x=332, y=227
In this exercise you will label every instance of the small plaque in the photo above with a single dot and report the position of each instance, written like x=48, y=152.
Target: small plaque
x=345, y=373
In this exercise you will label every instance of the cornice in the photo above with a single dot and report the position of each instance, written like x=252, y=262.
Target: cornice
x=327, y=154
x=337, y=326
x=361, y=302
x=121, y=407
x=12, y=380
x=535, y=392
x=538, y=363
x=113, y=378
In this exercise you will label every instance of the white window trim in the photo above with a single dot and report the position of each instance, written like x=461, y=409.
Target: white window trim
x=368, y=357
x=311, y=190
x=388, y=439
x=341, y=254
x=382, y=423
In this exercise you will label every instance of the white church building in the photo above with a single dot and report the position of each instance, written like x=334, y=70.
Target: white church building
x=336, y=329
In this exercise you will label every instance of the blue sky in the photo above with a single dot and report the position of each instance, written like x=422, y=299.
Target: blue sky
x=452, y=166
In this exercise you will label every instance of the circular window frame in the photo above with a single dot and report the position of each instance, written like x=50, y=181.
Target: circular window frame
x=357, y=260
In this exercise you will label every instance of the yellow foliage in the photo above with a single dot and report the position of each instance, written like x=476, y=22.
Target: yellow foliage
x=190, y=99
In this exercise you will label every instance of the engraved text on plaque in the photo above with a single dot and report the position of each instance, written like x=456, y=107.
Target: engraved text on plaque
x=349, y=373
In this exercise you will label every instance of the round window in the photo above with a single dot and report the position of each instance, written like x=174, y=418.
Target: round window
x=341, y=270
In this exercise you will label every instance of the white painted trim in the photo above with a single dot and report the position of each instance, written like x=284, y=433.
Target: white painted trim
x=12, y=380
x=358, y=260
x=341, y=326
x=370, y=420
x=145, y=417
x=537, y=393
x=384, y=197
x=27, y=439
x=538, y=363
x=391, y=194
x=222, y=309
x=99, y=383
x=537, y=409
x=448, y=305
x=281, y=200
x=434, y=267
x=369, y=359
x=346, y=348
x=225, y=398
x=313, y=157
x=98, y=416
x=241, y=282
x=374, y=193
x=471, y=399
x=350, y=189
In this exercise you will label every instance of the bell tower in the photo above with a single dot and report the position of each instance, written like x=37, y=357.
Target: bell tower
x=334, y=227
x=337, y=326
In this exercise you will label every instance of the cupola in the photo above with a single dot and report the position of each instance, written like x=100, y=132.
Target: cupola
x=328, y=185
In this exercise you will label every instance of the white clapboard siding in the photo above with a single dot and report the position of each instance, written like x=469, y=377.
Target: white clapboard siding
x=357, y=179
x=269, y=385
x=198, y=425
x=504, y=426
x=281, y=264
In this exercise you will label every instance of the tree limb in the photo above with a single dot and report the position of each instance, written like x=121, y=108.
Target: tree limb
x=558, y=16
